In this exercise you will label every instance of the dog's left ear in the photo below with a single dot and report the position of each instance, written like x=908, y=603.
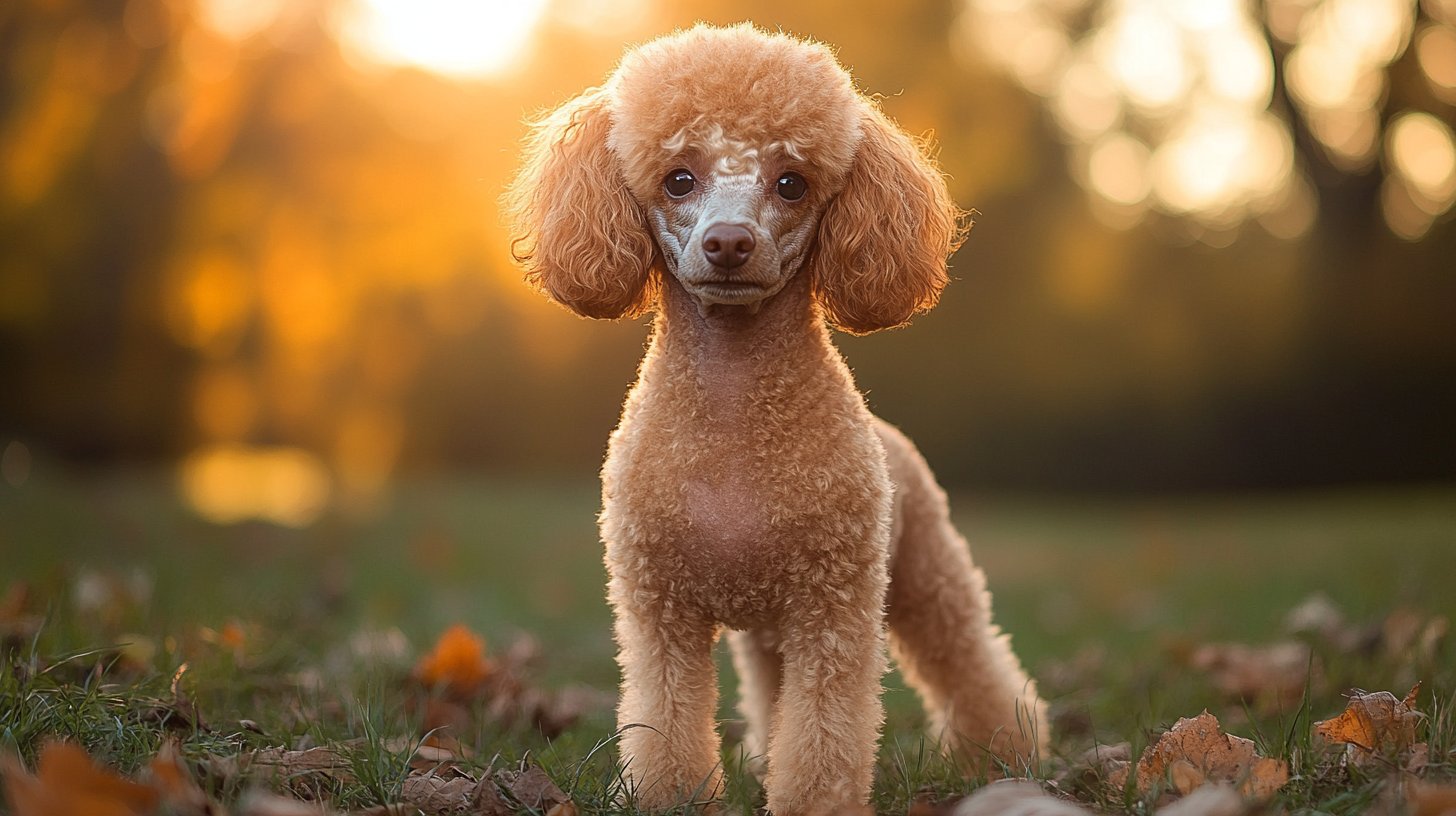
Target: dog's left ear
x=883, y=241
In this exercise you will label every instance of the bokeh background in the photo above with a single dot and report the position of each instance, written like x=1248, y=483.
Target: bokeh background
x=260, y=240
x=264, y=358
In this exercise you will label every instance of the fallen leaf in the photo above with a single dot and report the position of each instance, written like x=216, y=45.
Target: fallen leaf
x=1196, y=751
x=431, y=753
x=68, y=783
x=446, y=742
x=1376, y=722
x=457, y=662
x=430, y=794
x=430, y=757
x=1272, y=677
x=532, y=788
x=298, y=768
x=179, y=791
x=1098, y=767
x=1018, y=797
x=487, y=801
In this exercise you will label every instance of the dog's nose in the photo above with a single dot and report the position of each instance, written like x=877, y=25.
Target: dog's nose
x=727, y=245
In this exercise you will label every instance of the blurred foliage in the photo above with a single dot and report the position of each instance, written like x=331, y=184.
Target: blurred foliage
x=226, y=237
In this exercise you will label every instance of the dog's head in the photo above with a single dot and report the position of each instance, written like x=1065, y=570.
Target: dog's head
x=731, y=158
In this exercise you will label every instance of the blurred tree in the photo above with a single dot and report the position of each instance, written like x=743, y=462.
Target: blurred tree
x=227, y=225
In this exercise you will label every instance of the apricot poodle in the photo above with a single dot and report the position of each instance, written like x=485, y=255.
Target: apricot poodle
x=736, y=183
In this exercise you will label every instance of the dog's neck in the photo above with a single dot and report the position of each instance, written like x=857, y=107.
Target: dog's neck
x=736, y=352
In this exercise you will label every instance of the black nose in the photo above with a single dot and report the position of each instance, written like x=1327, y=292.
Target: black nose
x=727, y=245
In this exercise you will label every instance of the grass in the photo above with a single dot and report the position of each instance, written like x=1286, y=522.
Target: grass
x=296, y=638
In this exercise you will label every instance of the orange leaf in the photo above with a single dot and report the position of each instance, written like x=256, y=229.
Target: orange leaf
x=458, y=660
x=232, y=636
x=1374, y=722
x=68, y=783
x=172, y=780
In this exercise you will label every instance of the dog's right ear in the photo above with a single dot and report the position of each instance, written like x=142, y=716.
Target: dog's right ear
x=575, y=229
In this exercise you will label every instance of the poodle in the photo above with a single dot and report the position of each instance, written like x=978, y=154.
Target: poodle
x=736, y=184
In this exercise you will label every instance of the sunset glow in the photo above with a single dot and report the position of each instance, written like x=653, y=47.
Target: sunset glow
x=1165, y=103
x=461, y=38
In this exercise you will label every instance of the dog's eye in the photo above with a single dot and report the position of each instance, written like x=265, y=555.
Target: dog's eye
x=792, y=186
x=679, y=183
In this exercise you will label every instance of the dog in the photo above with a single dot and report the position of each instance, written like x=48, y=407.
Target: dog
x=736, y=184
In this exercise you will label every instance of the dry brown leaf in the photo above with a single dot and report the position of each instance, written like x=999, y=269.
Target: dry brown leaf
x=1196, y=751
x=532, y=788
x=1098, y=767
x=428, y=754
x=1376, y=722
x=1425, y=799
x=1273, y=676
x=280, y=764
x=457, y=675
x=179, y=791
x=1015, y=797
x=430, y=794
x=430, y=757
x=68, y=783
x=488, y=801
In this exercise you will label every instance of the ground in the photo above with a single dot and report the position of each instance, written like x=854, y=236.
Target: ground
x=127, y=622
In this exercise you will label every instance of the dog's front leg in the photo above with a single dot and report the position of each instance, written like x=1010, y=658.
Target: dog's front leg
x=669, y=697
x=829, y=713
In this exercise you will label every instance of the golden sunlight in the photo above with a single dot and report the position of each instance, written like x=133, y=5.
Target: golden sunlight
x=460, y=38
x=1165, y=102
x=226, y=484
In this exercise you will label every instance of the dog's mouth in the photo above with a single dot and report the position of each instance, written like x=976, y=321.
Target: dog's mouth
x=733, y=292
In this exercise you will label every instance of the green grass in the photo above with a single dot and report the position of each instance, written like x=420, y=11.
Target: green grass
x=1106, y=601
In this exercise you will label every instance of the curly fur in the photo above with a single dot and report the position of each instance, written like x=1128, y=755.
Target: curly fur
x=880, y=257
x=579, y=234
x=747, y=485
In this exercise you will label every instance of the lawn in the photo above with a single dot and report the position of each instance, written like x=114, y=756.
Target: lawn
x=293, y=639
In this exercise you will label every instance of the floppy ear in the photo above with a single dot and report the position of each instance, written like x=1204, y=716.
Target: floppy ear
x=880, y=255
x=575, y=228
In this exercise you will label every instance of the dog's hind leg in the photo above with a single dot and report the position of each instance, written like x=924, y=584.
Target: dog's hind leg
x=980, y=703
x=759, y=665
